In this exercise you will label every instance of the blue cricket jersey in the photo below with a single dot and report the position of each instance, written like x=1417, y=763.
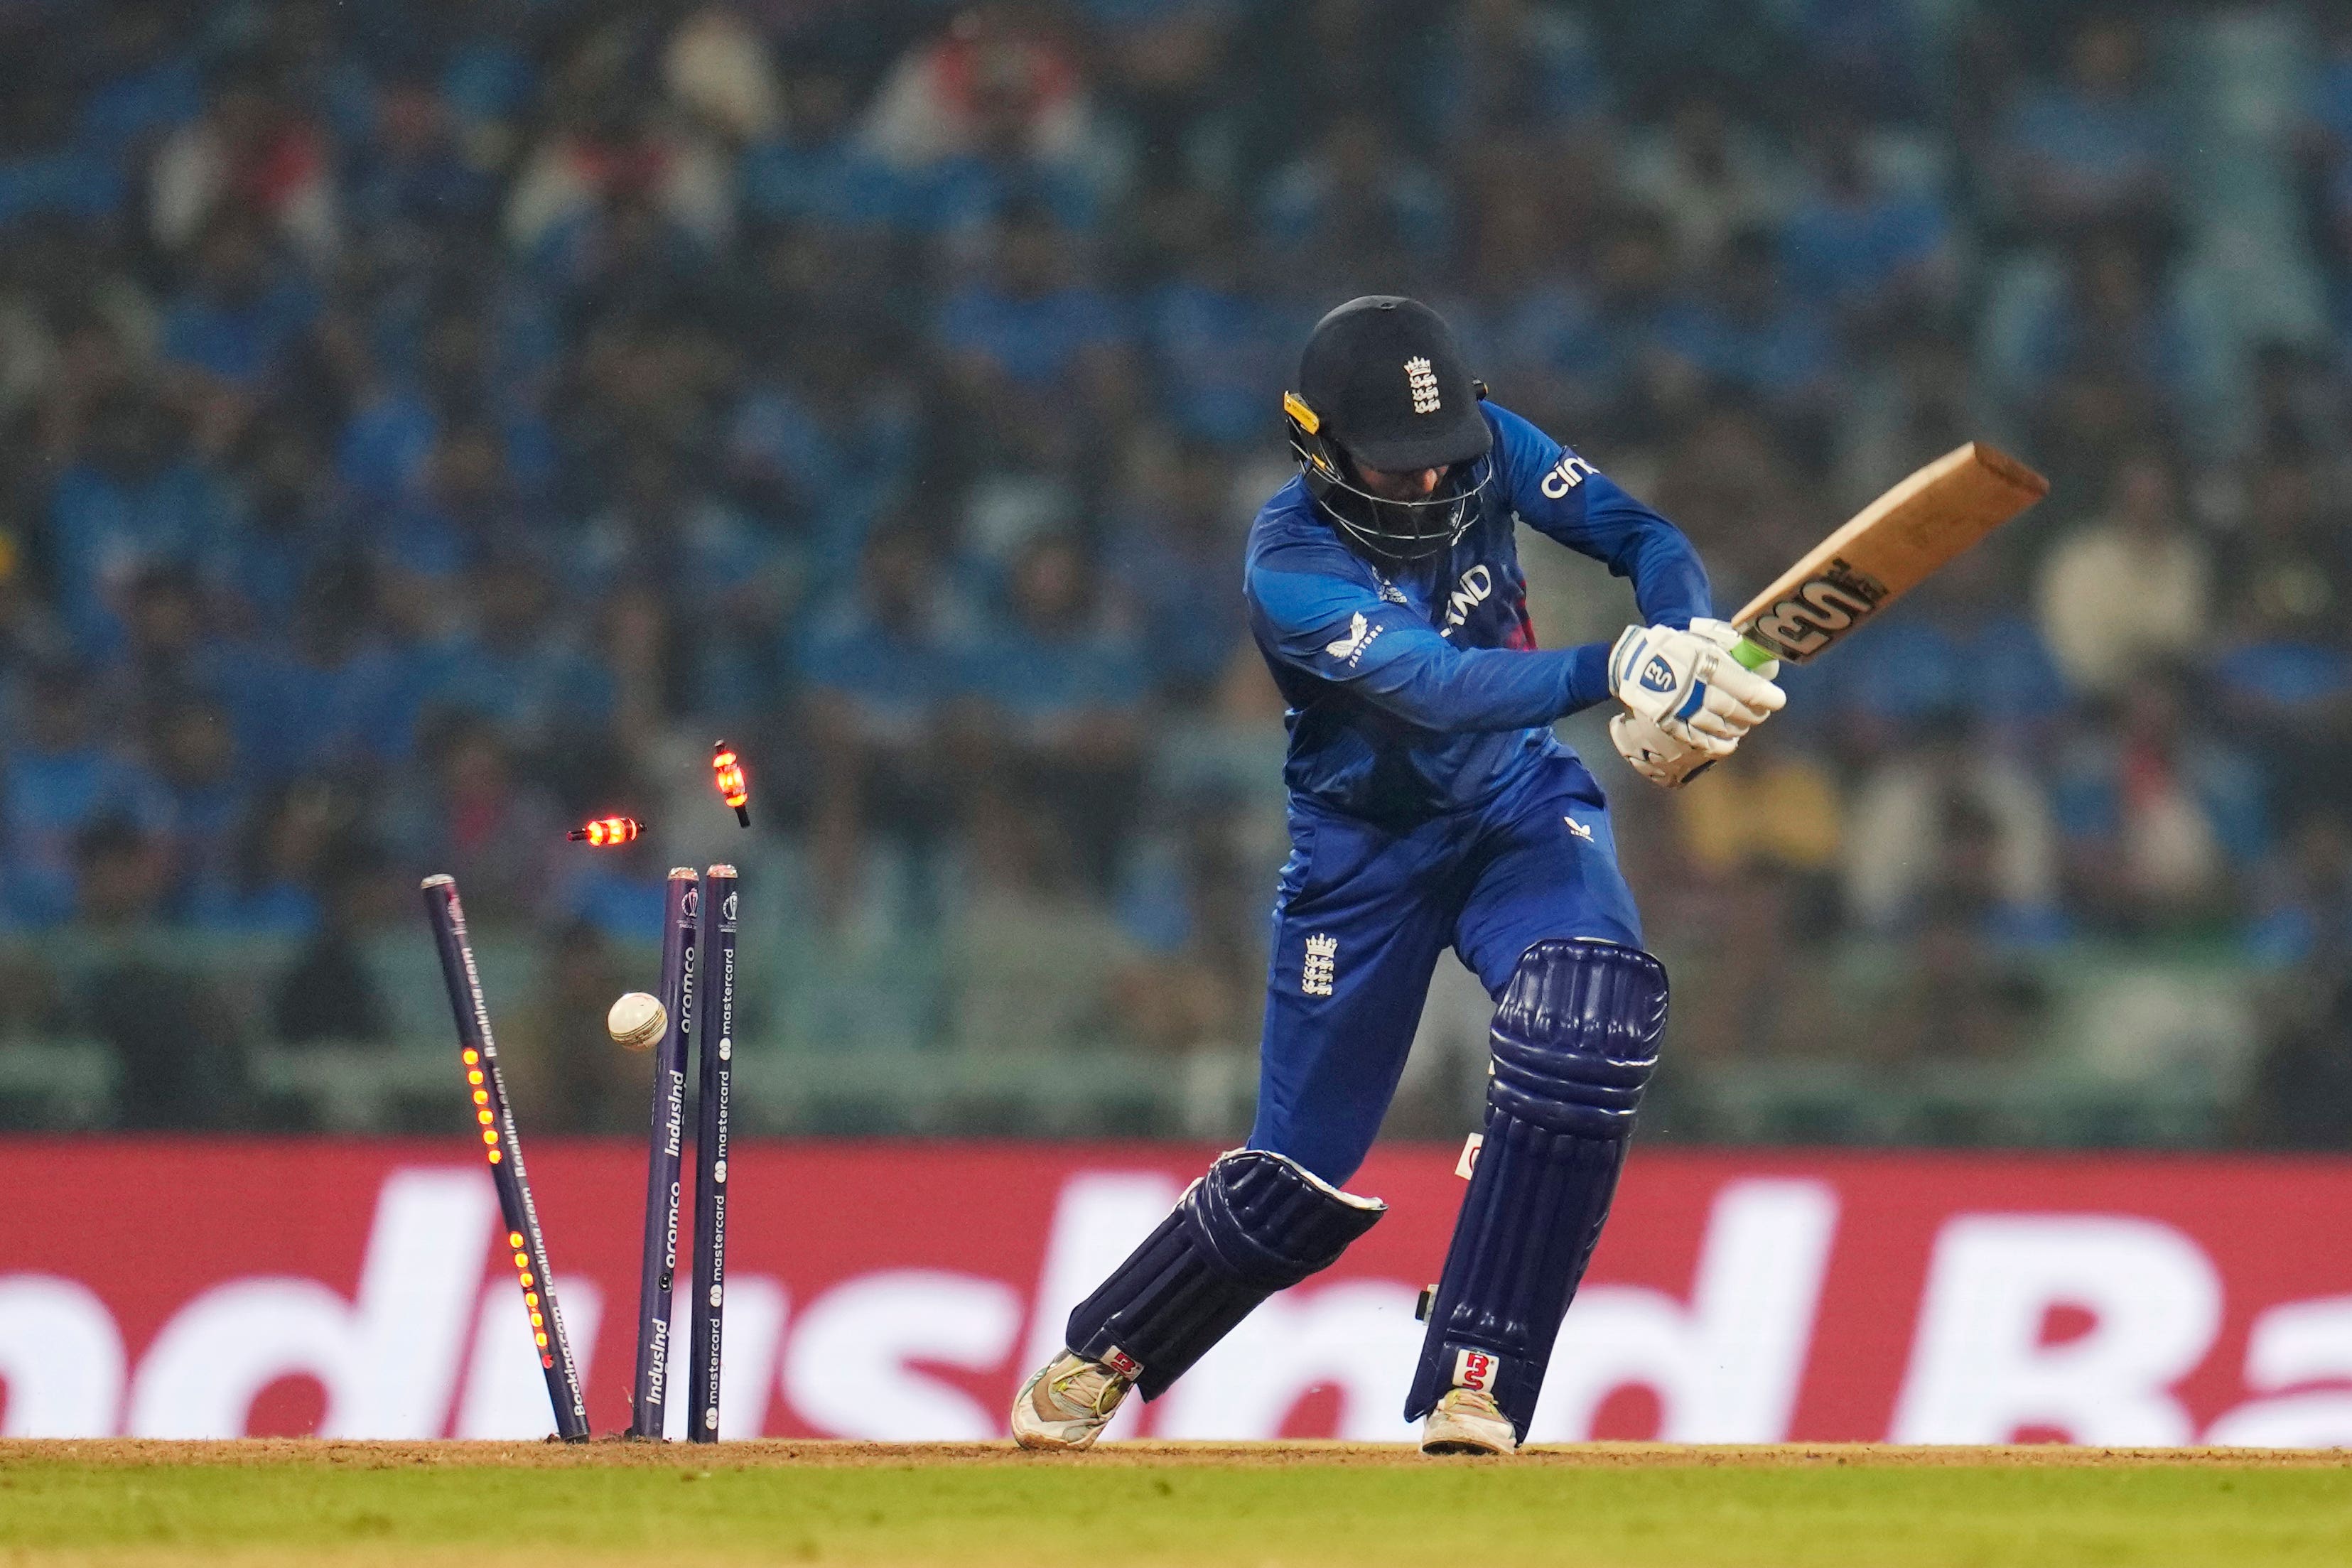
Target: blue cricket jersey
x=1422, y=692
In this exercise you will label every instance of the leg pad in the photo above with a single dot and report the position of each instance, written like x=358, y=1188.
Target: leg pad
x=1257, y=1223
x=1575, y=1042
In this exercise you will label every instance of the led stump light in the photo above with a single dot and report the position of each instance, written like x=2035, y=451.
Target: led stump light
x=727, y=772
x=478, y=1049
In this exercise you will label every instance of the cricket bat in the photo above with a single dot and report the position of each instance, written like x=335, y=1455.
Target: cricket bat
x=1890, y=548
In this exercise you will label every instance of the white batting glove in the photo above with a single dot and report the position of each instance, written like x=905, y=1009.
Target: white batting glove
x=1688, y=685
x=1654, y=755
x=1725, y=636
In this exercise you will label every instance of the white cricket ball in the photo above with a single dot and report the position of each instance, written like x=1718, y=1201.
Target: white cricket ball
x=636, y=1020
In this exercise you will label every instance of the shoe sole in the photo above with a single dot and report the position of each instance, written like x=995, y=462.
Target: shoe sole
x=1445, y=1446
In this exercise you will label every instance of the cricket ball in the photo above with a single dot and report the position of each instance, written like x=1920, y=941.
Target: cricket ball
x=636, y=1020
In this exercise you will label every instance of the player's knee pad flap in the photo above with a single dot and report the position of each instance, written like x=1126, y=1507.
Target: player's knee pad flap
x=1575, y=1042
x=1257, y=1223
x=1576, y=1038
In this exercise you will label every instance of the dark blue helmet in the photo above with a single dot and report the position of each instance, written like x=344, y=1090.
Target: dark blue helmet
x=1382, y=386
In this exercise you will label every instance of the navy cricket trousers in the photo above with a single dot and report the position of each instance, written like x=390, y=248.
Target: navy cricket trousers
x=1363, y=914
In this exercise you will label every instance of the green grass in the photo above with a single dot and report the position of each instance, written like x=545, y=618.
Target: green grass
x=311, y=1503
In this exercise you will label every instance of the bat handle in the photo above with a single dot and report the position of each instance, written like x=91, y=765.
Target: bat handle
x=1751, y=654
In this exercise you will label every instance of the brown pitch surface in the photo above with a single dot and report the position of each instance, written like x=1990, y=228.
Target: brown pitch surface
x=615, y=1452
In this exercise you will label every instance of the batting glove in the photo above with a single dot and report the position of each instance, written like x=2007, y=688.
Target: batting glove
x=1687, y=685
x=1654, y=755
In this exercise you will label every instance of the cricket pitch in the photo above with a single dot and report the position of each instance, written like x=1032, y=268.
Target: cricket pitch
x=1232, y=1506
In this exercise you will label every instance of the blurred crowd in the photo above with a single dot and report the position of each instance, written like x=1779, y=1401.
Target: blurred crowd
x=427, y=424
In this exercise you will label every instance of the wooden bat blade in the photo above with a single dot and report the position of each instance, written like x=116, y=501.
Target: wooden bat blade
x=1891, y=546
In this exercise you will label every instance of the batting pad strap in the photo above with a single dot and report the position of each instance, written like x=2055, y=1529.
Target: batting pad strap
x=1575, y=1039
x=1257, y=1223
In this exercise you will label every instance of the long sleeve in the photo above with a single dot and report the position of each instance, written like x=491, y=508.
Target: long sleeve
x=1563, y=497
x=1320, y=610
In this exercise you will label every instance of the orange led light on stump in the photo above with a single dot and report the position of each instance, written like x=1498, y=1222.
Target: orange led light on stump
x=494, y=1121
x=727, y=771
x=607, y=831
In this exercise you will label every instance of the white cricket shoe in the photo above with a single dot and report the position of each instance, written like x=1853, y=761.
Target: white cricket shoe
x=1067, y=1403
x=1466, y=1421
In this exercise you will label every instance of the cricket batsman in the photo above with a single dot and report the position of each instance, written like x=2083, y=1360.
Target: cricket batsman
x=1431, y=806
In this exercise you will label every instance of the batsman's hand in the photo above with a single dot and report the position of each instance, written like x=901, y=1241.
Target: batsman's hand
x=1725, y=636
x=1688, y=686
x=1654, y=755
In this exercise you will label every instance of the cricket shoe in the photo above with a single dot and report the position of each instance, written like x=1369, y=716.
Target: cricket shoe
x=1467, y=1421
x=1067, y=1404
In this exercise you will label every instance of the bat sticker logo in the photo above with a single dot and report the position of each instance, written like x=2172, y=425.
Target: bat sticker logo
x=1819, y=613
